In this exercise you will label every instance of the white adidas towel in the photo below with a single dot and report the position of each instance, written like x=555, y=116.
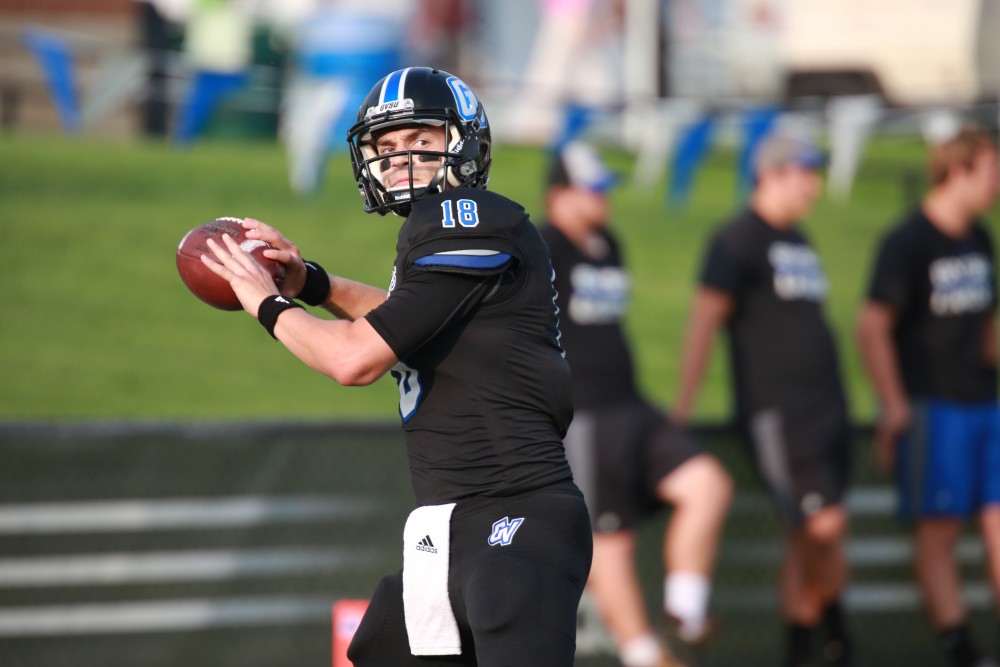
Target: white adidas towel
x=430, y=621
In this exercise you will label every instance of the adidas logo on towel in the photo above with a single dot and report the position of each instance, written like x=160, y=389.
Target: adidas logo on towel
x=426, y=545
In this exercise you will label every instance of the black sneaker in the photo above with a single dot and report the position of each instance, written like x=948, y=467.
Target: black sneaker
x=837, y=653
x=688, y=648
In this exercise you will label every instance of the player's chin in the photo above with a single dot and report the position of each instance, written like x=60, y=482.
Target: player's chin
x=405, y=185
x=402, y=186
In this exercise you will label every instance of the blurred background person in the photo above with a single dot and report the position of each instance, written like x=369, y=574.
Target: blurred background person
x=928, y=339
x=575, y=60
x=439, y=32
x=218, y=49
x=764, y=283
x=627, y=458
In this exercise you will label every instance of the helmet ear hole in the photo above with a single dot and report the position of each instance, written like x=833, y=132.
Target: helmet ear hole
x=454, y=137
x=469, y=155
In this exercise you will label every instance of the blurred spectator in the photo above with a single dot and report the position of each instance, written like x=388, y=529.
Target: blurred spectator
x=928, y=336
x=575, y=60
x=218, y=36
x=339, y=49
x=437, y=33
x=763, y=281
x=626, y=457
x=155, y=41
x=218, y=48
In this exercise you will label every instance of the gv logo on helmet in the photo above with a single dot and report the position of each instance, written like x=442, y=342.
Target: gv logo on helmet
x=464, y=98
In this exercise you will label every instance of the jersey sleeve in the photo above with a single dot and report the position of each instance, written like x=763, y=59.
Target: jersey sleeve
x=722, y=269
x=422, y=305
x=891, y=280
x=469, y=232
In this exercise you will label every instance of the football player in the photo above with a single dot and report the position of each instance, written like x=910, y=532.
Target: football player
x=497, y=552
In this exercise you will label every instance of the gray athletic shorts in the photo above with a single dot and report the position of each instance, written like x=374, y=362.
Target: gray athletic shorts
x=618, y=455
x=803, y=456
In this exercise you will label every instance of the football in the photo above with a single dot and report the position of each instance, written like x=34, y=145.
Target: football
x=198, y=278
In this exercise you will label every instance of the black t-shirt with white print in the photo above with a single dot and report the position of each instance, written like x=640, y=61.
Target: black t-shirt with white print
x=943, y=291
x=782, y=350
x=592, y=297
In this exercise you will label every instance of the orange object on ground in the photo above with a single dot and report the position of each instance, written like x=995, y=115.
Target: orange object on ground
x=346, y=616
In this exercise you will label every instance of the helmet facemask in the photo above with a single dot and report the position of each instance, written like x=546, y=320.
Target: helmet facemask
x=376, y=165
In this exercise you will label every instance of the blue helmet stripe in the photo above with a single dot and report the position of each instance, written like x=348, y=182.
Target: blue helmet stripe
x=393, y=87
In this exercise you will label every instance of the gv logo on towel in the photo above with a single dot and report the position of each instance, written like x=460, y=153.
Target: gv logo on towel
x=503, y=531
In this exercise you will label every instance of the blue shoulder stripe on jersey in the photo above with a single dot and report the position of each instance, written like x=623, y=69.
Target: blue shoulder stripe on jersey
x=465, y=261
x=393, y=86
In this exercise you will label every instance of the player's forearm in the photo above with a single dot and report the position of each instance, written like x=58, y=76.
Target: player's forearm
x=878, y=352
x=349, y=299
x=711, y=309
x=694, y=358
x=990, y=342
x=351, y=353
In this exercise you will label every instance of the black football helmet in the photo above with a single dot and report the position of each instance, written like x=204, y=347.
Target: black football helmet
x=420, y=95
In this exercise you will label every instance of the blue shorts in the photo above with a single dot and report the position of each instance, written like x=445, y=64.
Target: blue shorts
x=948, y=465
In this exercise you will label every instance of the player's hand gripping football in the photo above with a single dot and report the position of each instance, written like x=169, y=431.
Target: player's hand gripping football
x=284, y=251
x=251, y=282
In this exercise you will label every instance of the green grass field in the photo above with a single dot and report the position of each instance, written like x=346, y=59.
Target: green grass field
x=97, y=325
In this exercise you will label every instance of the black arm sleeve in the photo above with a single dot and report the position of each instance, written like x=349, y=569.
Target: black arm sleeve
x=423, y=304
x=892, y=280
x=722, y=271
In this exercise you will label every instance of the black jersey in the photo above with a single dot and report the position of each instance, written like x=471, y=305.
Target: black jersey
x=944, y=291
x=592, y=298
x=782, y=350
x=485, y=392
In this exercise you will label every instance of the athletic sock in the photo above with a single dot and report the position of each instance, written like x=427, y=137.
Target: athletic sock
x=957, y=645
x=642, y=651
x=685, y=598
x=799, y=645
